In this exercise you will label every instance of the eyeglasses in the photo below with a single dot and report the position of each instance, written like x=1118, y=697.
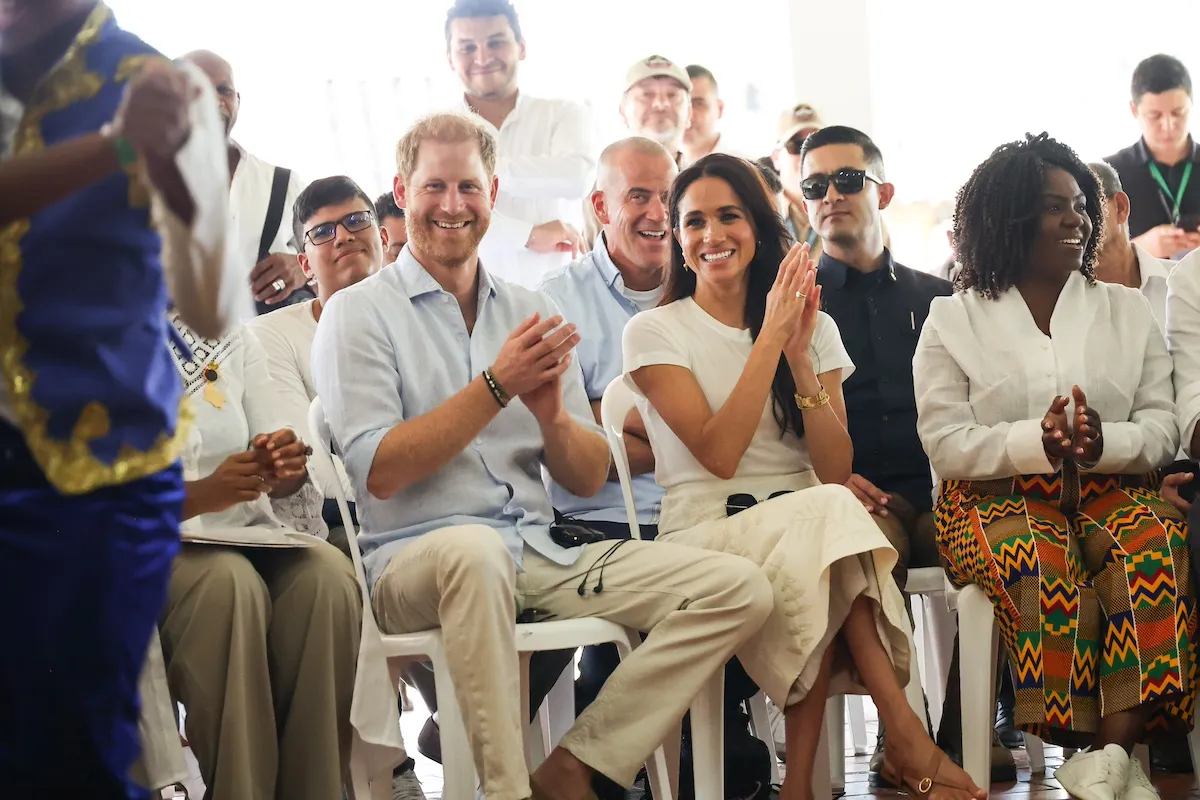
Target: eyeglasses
x=846, y=181
x=737, y=503
x=353, y=222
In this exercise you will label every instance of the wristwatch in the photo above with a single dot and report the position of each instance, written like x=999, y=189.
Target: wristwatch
x=809, y=402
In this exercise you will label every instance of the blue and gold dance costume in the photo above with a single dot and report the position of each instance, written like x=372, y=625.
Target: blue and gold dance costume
x=91, y=493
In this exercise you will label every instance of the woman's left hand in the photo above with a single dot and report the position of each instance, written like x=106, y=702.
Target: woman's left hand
x=1087, y=439
x=285, y=453
x=797, y=347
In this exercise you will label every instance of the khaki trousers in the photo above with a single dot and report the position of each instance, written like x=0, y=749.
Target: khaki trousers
x=912, y=533
x=820, y=551
x=698, y=608
x=261, y=647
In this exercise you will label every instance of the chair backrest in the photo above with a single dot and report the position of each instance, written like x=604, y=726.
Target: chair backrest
x=323, y=455
x=615, y=405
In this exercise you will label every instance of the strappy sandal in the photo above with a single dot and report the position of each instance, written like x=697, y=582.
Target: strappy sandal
x=924, y=786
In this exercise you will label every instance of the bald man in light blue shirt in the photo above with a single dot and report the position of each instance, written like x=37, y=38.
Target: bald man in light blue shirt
x=600, y=293
x=449, y=392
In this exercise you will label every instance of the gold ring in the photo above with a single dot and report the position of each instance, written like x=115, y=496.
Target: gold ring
x=801, y=296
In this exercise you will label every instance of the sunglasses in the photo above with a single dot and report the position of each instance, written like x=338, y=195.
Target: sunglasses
x=737, y=503
x=353, y=222
x=846, y=181
x=795, y=144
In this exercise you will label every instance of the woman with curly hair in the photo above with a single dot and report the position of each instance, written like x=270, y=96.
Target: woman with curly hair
x=1045, y=400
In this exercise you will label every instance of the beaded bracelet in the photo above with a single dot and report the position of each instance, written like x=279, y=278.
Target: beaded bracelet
x=496, y=389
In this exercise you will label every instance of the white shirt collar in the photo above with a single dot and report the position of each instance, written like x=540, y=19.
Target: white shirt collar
x=1151, y=268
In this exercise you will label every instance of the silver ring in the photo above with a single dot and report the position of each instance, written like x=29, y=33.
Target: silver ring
x=801, y=295
x=279, y=284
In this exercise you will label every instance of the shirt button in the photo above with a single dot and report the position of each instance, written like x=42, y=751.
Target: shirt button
x=885, y=418
x=479, y=442
x=445, y=299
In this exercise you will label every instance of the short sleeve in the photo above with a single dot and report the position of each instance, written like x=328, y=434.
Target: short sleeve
x=650, y=340
x=829, y=352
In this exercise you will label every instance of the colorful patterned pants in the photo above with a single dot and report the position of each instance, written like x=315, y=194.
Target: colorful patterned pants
x=1091, y=582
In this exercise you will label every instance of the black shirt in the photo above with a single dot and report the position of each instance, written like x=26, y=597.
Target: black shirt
x=1148, y=205
x=880, y=315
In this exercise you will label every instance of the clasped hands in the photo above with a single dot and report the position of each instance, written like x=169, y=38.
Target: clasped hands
x=1077, y=437
x=531, y=364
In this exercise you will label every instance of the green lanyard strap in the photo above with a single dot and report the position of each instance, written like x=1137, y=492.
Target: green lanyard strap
x=1176, y=198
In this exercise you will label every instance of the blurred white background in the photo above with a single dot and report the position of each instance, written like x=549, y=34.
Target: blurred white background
x=328, y=88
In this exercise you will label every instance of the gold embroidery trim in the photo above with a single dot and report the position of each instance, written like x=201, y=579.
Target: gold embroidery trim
x=69, y=465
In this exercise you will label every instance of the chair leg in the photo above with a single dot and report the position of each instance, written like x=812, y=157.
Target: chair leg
x=458, y=762
x=762, y=730
x=822, y=785
x=1036, y=750
x=858, y=724
x=708, y=739
x=835, y=735
x=979, y=638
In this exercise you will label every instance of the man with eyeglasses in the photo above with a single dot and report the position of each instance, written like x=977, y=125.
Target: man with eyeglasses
x=880, y=307
x=260, y=197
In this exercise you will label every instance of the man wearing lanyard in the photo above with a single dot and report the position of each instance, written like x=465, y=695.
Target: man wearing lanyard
x=1156, y=172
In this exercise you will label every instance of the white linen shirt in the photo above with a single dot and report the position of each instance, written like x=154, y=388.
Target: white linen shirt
x=286, y=335
x=546, y=165
x=1183, y=338
x=249, y=196
x=1155, y=273
x=985, y=375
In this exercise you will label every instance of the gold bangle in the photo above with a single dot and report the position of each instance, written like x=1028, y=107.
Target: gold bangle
x=809, y=402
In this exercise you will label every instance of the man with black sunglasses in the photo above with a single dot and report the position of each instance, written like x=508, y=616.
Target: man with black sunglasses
x=880, y=307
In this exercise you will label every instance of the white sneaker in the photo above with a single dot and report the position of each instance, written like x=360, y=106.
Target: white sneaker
x=1095, y=775
x=1137, y=784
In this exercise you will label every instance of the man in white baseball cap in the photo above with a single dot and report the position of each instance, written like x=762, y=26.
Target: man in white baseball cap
x=657, y=102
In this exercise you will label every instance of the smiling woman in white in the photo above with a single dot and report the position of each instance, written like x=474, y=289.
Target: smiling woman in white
x=1044, y=398
x=263, y=629
x=740, y=376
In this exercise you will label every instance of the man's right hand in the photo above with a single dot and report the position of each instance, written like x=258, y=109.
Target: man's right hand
x=1165, y=241
x=154, y=115
x=555, y=237
x=873, y=498
x=532, y=354
x=238, y=479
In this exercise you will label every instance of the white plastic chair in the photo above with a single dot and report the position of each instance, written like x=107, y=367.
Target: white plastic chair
x=708, y=714
x=979, y=638
x=459, y=778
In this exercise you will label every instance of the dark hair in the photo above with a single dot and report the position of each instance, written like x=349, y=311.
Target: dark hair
x=474, y=9
x=385, y=206
x=840, y=134
x=773, y=243
x=695, y=71
x=321, y=193
x=1158, y=74
x=996, y=212
x=770, y=175
x=1110, y=181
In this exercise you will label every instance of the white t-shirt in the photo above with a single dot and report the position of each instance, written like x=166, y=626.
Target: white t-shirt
x=683, y=334
x=644, y=301
x=287, y=337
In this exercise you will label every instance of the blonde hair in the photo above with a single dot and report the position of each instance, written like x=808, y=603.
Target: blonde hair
x=448, y=128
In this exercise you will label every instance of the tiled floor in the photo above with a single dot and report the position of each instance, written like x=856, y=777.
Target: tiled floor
x=1027, y=787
